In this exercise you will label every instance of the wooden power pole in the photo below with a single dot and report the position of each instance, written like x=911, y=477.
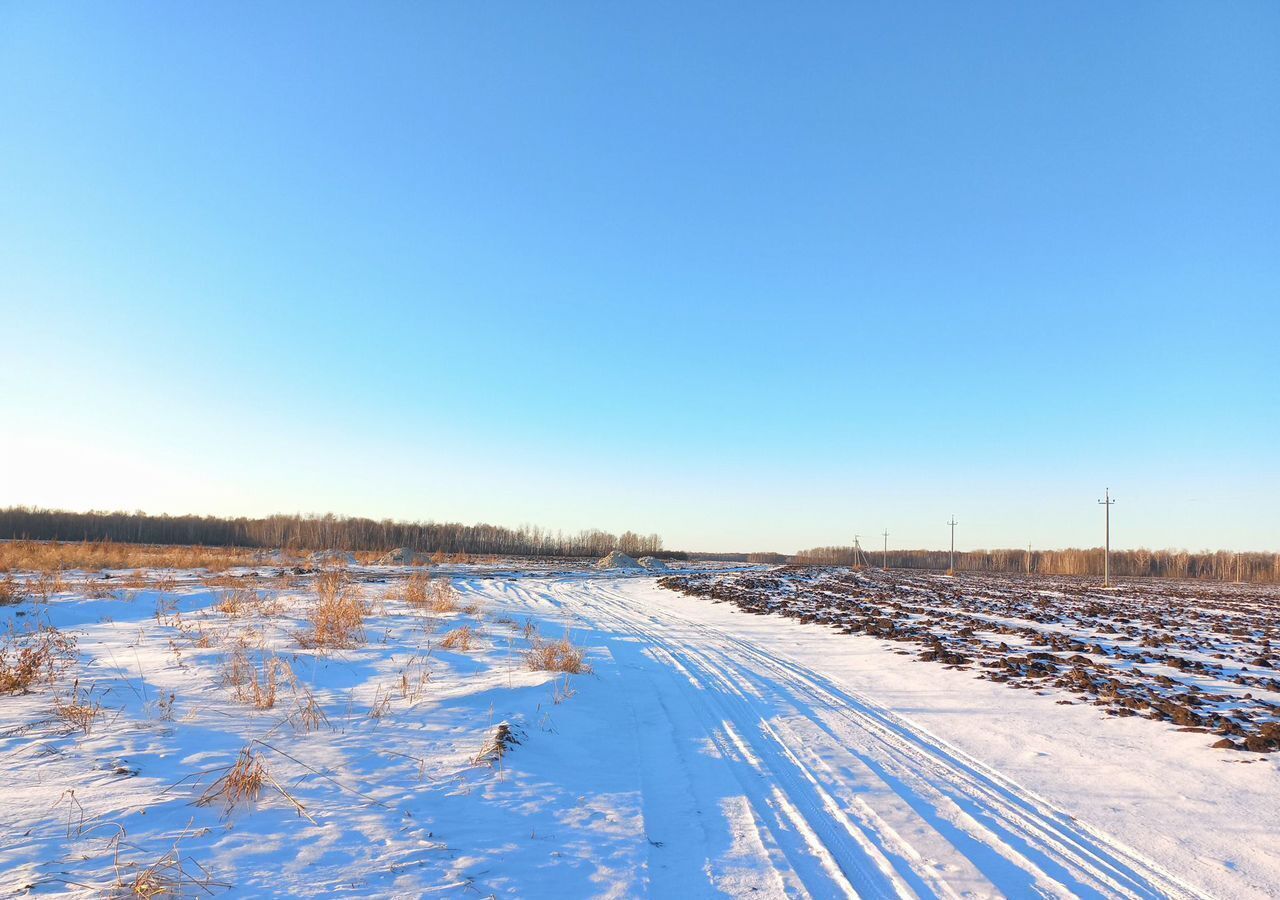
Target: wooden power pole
x=1106, y=554
x=951, y=564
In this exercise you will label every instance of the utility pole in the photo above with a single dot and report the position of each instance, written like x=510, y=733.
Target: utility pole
x=951, y=566
x=1106, y=558
x=1028, y=557
x=857, y=551
x=886, y=551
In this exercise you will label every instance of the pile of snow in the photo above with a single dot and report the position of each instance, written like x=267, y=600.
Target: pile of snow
x=653, y=564
x=279, y=558
x=333, y=558
x=617, y=560
x=401, y=556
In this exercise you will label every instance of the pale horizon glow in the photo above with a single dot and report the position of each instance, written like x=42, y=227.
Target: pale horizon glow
x=754, y=282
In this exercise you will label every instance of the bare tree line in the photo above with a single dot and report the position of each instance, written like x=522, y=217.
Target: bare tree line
x=327, y=532
x=776, y=559
x=1220, y=565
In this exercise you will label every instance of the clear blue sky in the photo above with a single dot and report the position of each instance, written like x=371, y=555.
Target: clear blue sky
x=753, y=276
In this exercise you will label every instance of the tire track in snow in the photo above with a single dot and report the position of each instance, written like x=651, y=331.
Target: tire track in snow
x=830, y=854
x=1018, y=841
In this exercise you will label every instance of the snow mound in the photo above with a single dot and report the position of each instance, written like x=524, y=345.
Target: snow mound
x=401, y=556
x=333, y=558
x=653, y=564
x=617, y=560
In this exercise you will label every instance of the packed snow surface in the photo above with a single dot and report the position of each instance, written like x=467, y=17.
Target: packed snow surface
x=616, y=559
x=710, y=752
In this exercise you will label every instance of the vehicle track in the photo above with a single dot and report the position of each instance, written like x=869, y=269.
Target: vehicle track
x=857, y=800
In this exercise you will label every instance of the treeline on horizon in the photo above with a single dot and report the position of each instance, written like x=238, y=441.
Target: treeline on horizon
x=1220, y=565
x=316, y=532
x=331, y=532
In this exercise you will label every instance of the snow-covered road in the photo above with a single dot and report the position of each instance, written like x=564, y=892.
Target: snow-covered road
x=813, y=788
x=762, y=771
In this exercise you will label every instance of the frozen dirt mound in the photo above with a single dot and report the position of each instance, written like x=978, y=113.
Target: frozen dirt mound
x=653, y=564
x=617, y=560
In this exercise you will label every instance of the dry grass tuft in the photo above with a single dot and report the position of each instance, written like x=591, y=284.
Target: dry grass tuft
x=240, y=783
x=46, y=584
x=415, y=589
x=308, y=716
x=557, y=656
x=442, y=597
x=172, y=875
x=238, y=601
x=435, y=594
x=79, y=711
x=163, y=878
x=462, y=639
x=502, y=740
x=165, y=583
x=11, y=591
x=257, y=685
x=337, y=619
x=243, y=782
x=30, y=657
x=100, y=588
x=136, y=580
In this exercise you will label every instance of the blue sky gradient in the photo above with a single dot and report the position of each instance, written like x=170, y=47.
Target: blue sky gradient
x=751, y=276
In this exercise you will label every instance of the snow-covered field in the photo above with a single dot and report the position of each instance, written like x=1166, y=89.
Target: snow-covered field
x=709, y=752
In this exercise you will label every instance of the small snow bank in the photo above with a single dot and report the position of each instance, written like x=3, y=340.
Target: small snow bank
x=653, y=564
x=333, y=558
x=401, y=556
x=617, y=560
